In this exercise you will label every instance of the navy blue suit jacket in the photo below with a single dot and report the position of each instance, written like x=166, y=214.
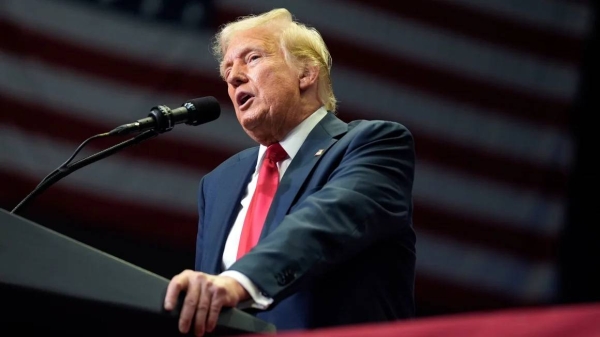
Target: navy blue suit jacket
x=338, y=245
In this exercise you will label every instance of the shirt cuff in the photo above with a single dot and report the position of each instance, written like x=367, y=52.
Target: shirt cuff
x=259, y=301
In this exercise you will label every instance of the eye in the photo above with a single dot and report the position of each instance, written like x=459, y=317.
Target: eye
x=225, y=70
x=253, y=57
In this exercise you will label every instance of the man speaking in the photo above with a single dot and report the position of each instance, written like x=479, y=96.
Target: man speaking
x=313, y=227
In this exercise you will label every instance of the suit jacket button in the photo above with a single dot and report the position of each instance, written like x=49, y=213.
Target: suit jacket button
x=280, y=279
x=285, y=277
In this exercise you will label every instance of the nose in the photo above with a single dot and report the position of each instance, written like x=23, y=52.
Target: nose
x=237, y=75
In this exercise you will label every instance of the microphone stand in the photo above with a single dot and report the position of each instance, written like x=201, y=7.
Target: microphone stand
x=65, y=171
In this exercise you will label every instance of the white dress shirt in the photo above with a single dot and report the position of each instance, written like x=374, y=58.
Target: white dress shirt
x=291, y=144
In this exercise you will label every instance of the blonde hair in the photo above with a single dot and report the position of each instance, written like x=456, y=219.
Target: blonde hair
x=301, y=45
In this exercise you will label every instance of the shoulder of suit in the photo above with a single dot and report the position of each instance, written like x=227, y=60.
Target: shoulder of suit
x=234, y=159
x=377, y=125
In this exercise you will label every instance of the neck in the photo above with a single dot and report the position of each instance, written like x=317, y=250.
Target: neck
x=297, y=117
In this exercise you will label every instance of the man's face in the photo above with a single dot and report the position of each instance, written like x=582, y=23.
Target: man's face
x=262, y=86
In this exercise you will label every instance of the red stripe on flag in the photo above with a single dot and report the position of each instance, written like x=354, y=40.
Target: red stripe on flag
x=487, y=27
x=49, y=122
x=490, y=233
x=93, y=211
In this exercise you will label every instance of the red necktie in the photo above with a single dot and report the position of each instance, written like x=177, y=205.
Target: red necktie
x=268, y=180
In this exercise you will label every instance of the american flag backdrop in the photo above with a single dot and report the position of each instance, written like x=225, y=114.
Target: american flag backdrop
x=485, y=86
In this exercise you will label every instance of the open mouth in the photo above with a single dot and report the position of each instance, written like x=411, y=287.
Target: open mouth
x=243, y=99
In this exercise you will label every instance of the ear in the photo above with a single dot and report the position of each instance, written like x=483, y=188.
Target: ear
x=308, y=76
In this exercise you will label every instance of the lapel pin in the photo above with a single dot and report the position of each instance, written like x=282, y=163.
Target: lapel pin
x=320, y=152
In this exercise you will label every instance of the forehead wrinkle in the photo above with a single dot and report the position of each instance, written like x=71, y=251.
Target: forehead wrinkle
x=239, y=53
x=266, y=45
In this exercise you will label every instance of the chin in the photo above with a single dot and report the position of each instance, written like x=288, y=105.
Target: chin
x=250, y=120
x=249, y=124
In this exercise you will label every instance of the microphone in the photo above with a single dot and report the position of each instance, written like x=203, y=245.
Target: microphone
x=162, y=118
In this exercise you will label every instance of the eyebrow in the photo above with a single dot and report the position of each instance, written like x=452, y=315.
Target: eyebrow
x=241, y=53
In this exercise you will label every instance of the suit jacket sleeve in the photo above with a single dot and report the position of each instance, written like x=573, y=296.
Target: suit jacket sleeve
x=367, y=196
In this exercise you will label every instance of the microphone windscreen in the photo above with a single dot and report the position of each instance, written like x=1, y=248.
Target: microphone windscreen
x=202, y=110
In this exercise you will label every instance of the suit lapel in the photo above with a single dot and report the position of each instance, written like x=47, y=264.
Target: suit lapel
x=325, y=134
x=227, y=207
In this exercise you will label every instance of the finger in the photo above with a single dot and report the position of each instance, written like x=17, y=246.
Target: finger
x=216, y=305
x=177, y=284
x=203, y=305
x=190, y=302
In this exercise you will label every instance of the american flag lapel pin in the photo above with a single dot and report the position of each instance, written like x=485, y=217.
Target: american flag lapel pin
x=320, y=152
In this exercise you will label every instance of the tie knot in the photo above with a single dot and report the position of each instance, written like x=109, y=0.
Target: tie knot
x=276, y=153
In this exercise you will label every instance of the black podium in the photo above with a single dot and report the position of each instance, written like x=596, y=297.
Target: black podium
x=53, y=285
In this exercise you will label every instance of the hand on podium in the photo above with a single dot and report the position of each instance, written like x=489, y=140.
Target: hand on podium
x=205, y=296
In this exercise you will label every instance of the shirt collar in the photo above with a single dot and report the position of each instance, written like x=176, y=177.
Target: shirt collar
x=292, y=142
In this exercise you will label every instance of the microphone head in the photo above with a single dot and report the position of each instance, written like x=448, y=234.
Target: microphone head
x=202, y=110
